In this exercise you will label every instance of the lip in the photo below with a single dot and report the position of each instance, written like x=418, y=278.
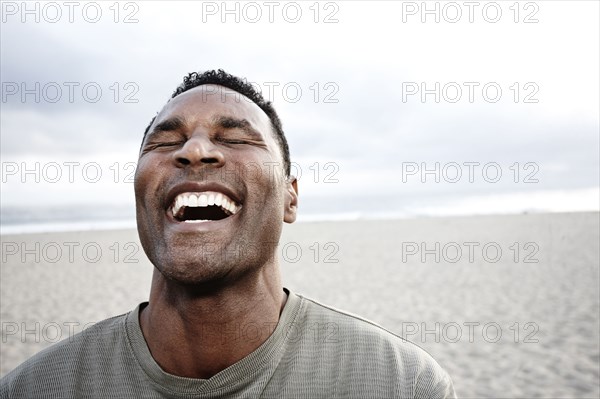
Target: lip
x=200, y=187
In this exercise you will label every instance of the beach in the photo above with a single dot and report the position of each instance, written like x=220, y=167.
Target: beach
x=509, y=305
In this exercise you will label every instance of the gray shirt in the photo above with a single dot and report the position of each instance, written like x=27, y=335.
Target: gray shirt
x=315, y=352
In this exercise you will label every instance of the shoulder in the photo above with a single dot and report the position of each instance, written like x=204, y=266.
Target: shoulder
x=54, y=369
x=358, y=330
x=375, y=351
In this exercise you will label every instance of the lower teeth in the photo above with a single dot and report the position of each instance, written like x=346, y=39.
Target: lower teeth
x=196, y=221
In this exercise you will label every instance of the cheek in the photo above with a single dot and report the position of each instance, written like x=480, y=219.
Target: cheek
x=144, y=183
x=139, y=178
x=146, y=177
x=270, y=193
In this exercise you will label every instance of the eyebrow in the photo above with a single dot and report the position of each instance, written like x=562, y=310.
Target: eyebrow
x=224, y=122
x=168, y=125
x=228, y=122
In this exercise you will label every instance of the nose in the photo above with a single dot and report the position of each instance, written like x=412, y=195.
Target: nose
x=198, y=150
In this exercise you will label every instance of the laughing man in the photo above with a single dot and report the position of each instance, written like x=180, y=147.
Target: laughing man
x=213, y=188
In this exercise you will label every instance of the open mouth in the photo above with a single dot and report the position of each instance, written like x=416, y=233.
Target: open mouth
x=203, y=206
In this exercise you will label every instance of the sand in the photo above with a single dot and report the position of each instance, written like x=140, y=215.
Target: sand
x=523, y=323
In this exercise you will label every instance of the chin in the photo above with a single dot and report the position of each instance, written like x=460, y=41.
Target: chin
x=196, y=275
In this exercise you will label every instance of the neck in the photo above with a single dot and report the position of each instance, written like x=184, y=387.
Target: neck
x=198, y=335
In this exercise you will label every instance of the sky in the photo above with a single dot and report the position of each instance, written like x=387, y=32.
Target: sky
x=391, y=107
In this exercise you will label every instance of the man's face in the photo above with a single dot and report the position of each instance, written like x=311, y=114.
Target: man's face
x=211, y=144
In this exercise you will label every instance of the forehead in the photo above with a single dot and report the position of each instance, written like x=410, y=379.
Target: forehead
x=202, y=104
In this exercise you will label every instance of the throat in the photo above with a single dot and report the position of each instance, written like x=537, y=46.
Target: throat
x=204, y=351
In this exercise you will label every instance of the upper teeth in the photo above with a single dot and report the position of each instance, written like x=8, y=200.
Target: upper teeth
x=203, y=199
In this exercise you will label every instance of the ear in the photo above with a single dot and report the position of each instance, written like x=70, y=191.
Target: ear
x=291, y=200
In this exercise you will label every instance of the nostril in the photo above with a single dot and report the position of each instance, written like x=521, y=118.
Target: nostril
x=185, y=161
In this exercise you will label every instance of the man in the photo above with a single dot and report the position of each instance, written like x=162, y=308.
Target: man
x=212, y=189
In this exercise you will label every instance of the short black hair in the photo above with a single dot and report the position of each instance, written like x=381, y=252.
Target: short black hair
x=221, y=78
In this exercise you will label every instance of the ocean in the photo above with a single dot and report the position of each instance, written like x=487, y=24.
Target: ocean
x=16, y=219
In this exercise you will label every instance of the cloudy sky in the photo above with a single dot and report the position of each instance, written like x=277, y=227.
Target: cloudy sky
x=497, y=100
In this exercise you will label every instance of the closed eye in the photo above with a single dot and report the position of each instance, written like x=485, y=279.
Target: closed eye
x=233, y=141
x=162, y=145
x=167, y=144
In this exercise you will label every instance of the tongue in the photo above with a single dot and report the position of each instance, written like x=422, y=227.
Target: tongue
x=212, y=212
